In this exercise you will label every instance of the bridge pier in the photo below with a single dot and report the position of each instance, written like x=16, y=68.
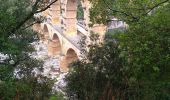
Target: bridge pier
x=63, y=64
x=71, y=26
x=55, y=13
x=54, y=48
x=69, y=18
x=46, y=36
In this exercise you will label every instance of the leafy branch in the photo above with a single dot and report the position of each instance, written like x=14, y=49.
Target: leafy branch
x=156, y=6
x=31, y=14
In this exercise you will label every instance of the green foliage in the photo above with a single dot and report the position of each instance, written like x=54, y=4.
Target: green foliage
x=80, y=12
x=150, y=44
x=134, y=64
x=12, y=12
x=100, y=72
x=126, y=10
x=57, y=96
x=18, y=80
x=148, y=52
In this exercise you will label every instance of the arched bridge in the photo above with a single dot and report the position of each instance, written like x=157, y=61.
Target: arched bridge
x=62, y=30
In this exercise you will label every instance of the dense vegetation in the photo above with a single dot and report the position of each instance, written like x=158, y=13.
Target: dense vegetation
x=133, y=64
x=17, y=77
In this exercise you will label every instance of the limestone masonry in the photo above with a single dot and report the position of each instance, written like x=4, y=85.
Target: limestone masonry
x=61, y=31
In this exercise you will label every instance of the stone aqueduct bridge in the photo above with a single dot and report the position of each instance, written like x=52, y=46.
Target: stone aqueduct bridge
x=62, y=30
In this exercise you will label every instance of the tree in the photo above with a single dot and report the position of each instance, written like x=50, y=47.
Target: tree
x=100, y=74
x=125, y=10
x=148, y=51
x=17, y=77
x=141, y=67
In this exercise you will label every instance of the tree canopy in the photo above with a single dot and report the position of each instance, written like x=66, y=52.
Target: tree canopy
x=126, y=10
x=132, y=64
x=18, y=80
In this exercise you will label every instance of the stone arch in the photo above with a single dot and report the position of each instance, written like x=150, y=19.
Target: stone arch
x=54, y=46
x=70, y=56
x=70, y=18
x=45, y=32
x=45, y=28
